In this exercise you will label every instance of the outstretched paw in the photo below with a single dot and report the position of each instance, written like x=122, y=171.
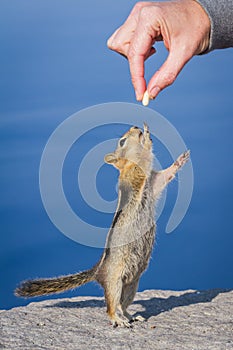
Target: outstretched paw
x=182, y=159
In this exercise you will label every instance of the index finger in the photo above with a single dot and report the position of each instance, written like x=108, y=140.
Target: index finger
x=140, y=48
x=120, y=39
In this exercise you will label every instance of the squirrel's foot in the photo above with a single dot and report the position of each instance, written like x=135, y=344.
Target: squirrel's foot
x=134, y=318
x=121, y=321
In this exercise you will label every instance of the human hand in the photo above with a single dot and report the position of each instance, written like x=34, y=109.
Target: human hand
x=184, y=27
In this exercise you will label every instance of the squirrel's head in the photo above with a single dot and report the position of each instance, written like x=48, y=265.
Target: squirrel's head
x=135, y=146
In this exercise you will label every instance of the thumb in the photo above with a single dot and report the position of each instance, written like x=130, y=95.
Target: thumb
x=167, y=73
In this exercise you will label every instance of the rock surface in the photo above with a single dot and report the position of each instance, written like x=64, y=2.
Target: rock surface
x=175, y=320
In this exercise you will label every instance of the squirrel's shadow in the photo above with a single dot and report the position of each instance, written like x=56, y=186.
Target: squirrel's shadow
x=79, y=304
x=155, y=305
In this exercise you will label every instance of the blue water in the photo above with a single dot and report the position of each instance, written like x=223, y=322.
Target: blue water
x=54, y=62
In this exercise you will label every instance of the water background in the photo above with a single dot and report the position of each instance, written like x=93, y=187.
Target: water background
x=54, y=62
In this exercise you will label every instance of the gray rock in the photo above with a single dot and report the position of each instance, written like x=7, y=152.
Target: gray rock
x=175, y=320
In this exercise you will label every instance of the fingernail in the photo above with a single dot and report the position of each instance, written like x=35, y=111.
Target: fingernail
x=154, y=92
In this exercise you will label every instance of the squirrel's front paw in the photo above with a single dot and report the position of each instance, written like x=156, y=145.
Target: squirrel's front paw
x=182, y=159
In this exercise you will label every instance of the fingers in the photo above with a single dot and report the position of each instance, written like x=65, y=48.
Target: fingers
x=168, y=72
x=141, y=47
x=137, y=71
x=121, y=38
x=129, y=40
x=183, y=26
x=134, y=40
x=136, y=65
x=149, y=29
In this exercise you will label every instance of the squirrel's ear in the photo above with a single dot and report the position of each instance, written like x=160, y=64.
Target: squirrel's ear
x=110, y=158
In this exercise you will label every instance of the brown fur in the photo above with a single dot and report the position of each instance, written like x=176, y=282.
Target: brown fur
x=131, y=236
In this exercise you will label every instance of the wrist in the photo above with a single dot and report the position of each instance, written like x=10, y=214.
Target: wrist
x=220, y=14
x=204, y=24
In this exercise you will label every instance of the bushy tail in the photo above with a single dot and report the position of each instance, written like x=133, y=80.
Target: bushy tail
x=32, y=288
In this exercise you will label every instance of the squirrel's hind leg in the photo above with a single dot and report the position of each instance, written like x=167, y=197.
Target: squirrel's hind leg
x=127, y=297
x=113, y=291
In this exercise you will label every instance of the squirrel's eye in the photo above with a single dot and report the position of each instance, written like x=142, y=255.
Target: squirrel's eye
x=122, y=142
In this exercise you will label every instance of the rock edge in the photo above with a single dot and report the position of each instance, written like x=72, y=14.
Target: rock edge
x=175, y=320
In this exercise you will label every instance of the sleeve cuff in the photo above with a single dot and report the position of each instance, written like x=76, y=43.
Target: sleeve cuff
x=220, y=13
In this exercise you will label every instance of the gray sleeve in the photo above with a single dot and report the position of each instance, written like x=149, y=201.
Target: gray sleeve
x=220, y=13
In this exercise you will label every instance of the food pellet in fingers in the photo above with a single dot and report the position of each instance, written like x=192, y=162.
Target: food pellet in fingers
x=146, y=98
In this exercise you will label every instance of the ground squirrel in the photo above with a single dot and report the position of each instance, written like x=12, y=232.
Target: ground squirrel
x=131, y=236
